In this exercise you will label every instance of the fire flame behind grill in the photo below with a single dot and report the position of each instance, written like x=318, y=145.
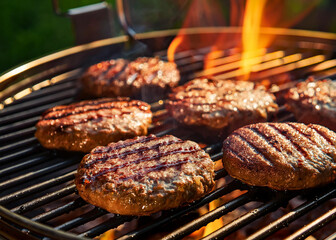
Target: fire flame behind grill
x=250, y=15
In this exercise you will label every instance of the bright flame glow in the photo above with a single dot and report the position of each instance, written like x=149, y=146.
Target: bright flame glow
x=109, y=235
x=218, y=223
x=172, y=48
x=251, y=31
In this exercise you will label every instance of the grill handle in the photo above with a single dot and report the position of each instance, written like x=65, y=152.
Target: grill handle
x=139, y=47
x=90, y=23
x=123, y=20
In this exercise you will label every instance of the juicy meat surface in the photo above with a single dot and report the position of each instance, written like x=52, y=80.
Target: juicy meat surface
x=282, y=156
x=145, y=175
x=84, y=125
x=220, y=105
x=314, y=102
x=145, y=78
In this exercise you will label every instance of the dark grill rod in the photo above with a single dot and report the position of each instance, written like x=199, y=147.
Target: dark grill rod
x=312, y=227
x=37, y=227
x=179, y=212
x=85, y=218
x=77, y=203
x=293, y=215
x=331, y=237
x=18, y=134
x=32, y=112
x=220, y=173
x=38, y=187
x=217, y=156
x=44, y=200
x=10, y=232
x=286, y=68
x=45, y=91
x=19, y=125
x=326, y=74
x=165, y=124
x=210, y=216
x=213, y=148
x=11, y=94
x=14, y=146
x=168, y=128
x=37, y=102
x=31, y=175
x=19, y=154
x=186, y=54
x=25, y=164
x=111, y=223
x=249, y=217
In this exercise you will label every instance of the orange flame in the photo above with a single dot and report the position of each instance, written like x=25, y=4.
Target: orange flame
x=251, y=15
x=201, y=13
x=250, y=34
x=218, y=223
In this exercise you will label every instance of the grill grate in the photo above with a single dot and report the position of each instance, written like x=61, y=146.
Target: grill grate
x=37, y=184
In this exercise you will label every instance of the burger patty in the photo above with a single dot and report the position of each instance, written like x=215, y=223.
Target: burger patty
x=87, y=124
x=314, y=102
x=282, y=156
x=145, y=175
x=144, y=78
x=220, y=106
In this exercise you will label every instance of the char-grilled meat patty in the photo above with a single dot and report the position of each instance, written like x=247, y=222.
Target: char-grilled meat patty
x=220, y=105
x=314, y=102
x=145, y=175
x=144, y=78
x=282, y=156
x=87, y=124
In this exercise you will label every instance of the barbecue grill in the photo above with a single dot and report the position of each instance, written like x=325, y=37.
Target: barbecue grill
x=38, y=198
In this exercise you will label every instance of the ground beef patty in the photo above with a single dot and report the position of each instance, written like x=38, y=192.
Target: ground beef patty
x=220, y=106
x=282, y=156
x=144, y=78
x=145, y=175
x=314, y=102
x=87, y=124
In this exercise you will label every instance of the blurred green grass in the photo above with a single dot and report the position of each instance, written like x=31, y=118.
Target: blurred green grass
x=30, y=29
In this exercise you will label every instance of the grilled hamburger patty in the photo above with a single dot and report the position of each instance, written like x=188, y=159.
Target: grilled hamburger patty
x=145, y=78
x=282, y=156
x=314, y=102
x=87, y=124
x=145, y=175
x=220, y=105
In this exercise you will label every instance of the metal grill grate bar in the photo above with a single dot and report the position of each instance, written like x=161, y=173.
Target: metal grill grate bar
x=48, y=90
x=25, y=164
x=210, y=216
x=8, y=119
x=85, y=218
x=249, y=217
x=34, y=103
x=314, y=226
x=18, y=134
x=111, y=223
x=14, y=146
x=38, y=187
x=19, y=125
x=77, y=203
x=45, y=199
x=292, y=216
x=28, y=151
